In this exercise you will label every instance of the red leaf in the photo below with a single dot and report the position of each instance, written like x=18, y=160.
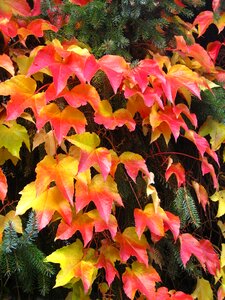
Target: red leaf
x=133, y=164
x=215, y=4
x=201, y=193
x=115, y=68
x=82, y=94
x=202, y=250
x=142, y=278
x=81, y=222
x=176, y=169
x=208, y=168
x=3, y=186
x=102, y=192
x=61, y=170
x=131, y=245
x=203, y=20
x=107, y=258
x=80, y=2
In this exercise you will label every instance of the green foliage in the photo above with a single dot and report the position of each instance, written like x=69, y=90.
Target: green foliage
x=127, y=28
x=22, y=262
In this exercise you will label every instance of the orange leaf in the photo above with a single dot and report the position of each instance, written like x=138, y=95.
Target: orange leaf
x=102, y=192
x=176, y=169
x=82, y=94
x=131, y=245
x=134, y=163
x=3, y=186
x=142, y=278
x=107, y=258
x=22, y=90
x=80, y=2
x=6, y=63
x=115, y=68
x=44, y=204
x=201, y=193
x=105, y=116
x=61, y=170
x=8, y=7
x=61, y=121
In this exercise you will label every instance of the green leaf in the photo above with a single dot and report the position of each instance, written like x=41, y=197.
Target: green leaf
x=12, y=137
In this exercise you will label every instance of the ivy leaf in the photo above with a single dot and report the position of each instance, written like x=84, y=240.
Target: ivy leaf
x=81, y=222
x=107, y=258
x=62, y=121
x=203, y=290
x=80, y=2
x=102, y=192
x=13, y=219
x=68, y=257
x=7, y=8
x=219, y=196
x=164, y=294
x=158, y=221
x=49, y=140
x=216, y=131
x=131, y=245
x=133, y=164
x=142, y=278
x=114, y=67
x=36, y=28
x=3, y=186
x=176, y=169
x=82, y=94
x=12, y=136
x=22, y=90
x=45, y=204
x=61, y=170
x=6, y=63
x=105, y=116
x=201, y=194
x=202, y=250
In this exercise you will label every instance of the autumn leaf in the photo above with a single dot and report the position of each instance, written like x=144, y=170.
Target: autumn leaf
x=89, y=155
x=102, y=192
x=202, y=250
x=216, y=131
x=81, y=222
x=44, y=204
x=208, y=168
x=201, y=194
x=68, y=257
x=13, y=219
x=115, y=67
x=131, y=245
x=3, y=186
x=142, y=278
x=157, y=222
x=203, y=290
x=12, y=136
x=80, y=2
x=82, y=94
x=61, y=170
x=134, y=163
x=61, y=121
x=36, y=28
x=164, y=294
x=49, y=140
x=6, y=155
x=7, y=64
x=22, y=91
x=107, y=258
x=105, y=116
x=219, y=196
x=8, y=7
x=178, y=170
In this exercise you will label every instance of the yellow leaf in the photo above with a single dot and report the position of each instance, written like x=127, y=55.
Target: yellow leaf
x=219, y=196
x=15, y=221
x=68, y=257
x=203, y=290
x=216, y=131
x=86, y=141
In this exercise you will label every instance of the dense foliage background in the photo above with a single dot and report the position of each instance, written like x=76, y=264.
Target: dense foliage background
x=112, y=149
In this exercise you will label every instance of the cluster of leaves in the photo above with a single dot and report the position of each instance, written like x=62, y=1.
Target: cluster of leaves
x=103, y=135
